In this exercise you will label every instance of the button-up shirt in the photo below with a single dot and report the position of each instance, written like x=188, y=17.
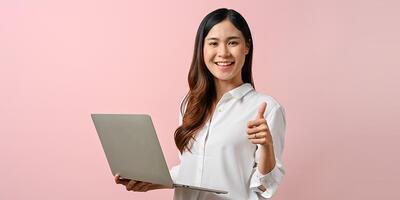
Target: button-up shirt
x=223, y=158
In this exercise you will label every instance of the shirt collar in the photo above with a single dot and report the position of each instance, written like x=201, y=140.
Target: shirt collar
x=240, y=91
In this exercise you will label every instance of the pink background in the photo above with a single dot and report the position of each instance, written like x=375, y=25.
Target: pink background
x=332, y=64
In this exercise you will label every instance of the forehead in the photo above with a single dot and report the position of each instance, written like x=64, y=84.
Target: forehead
x=224, y=29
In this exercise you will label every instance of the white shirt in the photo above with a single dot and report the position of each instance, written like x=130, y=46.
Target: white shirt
x=223, y=158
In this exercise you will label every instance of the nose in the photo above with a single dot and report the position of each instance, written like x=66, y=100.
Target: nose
x=223, y=51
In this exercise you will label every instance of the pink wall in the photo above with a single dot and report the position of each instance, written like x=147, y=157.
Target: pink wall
x=332, y=64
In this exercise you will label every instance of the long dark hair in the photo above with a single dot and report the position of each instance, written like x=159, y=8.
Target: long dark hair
x=202, y=92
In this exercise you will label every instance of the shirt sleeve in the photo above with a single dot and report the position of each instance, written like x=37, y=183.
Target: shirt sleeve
x=266, y=185
x=174, y=171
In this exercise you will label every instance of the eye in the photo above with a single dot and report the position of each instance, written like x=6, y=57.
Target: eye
x=213, y=44
x=233, y=43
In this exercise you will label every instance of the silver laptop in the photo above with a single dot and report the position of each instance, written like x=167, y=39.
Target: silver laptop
x=132, y=149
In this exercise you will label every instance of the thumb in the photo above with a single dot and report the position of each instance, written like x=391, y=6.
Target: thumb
x=261, y=110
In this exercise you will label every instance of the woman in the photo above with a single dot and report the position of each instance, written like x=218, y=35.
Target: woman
x=230, y=137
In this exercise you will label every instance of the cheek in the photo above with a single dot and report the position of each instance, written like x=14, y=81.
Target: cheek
x=207, y=54
x=208, y=59
x=240, y=51
x=239, y=55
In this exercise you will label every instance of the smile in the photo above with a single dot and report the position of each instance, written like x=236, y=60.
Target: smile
x=224, y=63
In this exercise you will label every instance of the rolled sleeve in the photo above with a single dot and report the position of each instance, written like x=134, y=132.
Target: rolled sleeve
x=267, y=184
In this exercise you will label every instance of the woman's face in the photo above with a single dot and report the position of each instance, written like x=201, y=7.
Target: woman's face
x=224, y=52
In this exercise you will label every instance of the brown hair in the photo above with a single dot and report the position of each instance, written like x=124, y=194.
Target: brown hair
x=196, y=106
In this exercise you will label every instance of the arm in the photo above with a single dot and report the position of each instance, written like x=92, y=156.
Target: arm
x=269, y=131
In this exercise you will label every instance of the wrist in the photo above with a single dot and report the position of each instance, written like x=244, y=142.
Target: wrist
x=267, y=146
x=267, y=159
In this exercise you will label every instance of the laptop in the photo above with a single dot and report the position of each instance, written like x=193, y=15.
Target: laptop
x=133, y=150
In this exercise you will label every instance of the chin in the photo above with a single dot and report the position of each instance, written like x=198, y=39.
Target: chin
x=224, y=78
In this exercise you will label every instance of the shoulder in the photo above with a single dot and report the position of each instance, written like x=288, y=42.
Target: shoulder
x=259, y=97
x=273, y=104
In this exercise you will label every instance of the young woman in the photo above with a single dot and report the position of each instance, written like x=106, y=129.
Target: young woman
x=230, y=137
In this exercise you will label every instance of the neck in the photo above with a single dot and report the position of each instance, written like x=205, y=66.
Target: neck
x=222, y=87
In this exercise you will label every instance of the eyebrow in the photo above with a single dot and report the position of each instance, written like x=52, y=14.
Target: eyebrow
x=229, y=38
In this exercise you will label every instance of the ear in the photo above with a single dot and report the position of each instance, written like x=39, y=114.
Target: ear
x=247, y=48
x=246, y=51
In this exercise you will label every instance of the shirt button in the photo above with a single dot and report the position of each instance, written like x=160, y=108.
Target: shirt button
x=220, y=110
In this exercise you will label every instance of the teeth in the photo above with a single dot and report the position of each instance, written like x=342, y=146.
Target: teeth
x=224, y=63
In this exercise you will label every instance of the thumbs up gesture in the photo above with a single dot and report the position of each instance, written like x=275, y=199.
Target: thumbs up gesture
x=258, y=130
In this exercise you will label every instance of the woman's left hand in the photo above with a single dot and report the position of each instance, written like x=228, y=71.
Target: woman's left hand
x=137, y=186
x=258, y=130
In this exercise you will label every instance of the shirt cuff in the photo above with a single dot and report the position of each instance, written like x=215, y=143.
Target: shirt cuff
x=266, y=184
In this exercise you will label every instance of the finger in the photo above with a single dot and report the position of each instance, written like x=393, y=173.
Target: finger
x=261, y=110
x=138, y=185
x=256, y=129
x=256, y=122
x=142, y=187
x=124, y=181
x=259, y=135
x=119, y=180
x=153, y=187
x=130, y=185
x=145, y=188
x=258, y=141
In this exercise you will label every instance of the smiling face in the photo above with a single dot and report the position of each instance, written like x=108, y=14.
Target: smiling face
x=224, y=52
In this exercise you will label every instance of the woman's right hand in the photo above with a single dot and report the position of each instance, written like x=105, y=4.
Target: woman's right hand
x=137, y=186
